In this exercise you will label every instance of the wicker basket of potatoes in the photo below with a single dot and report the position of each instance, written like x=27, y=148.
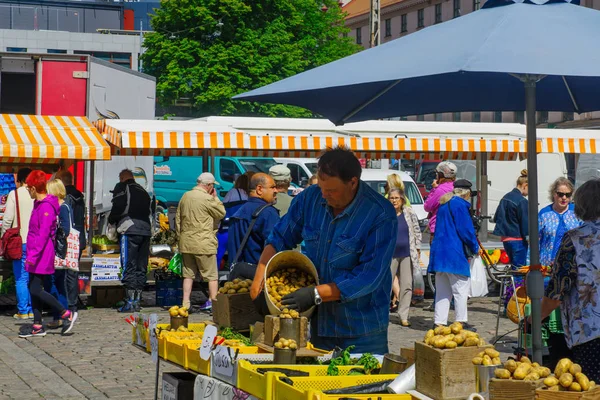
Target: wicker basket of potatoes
x=568, y=377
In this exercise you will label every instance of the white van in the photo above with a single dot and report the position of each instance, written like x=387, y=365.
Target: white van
x=301, y=169
x=377, y=179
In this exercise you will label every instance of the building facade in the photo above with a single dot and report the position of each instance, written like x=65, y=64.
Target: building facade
x=403, y=17
x=74, y=27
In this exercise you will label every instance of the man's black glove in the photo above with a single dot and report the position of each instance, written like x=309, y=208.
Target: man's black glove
x=301, y=300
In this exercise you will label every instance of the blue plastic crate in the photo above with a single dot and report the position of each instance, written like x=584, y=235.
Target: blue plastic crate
x=169, y=291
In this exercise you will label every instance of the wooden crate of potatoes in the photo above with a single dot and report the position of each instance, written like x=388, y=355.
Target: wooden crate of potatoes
x=444, y=370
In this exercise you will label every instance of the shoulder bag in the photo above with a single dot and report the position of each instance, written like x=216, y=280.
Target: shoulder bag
x=243, y=269
x=11, y=245
x=60, y=240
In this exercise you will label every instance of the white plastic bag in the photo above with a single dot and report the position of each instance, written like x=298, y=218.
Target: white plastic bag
x=479, y=284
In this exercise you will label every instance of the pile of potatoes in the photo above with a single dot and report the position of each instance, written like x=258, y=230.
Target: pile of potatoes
x=290, y=314
x=236, y=286
x=451, y=337
x=487, y=357
x=177, y=311
x=568, y=377
x=286, y=344
x=523, y=370
x=285, y=281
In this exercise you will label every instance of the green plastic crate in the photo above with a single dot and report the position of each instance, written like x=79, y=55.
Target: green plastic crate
x=555, y=322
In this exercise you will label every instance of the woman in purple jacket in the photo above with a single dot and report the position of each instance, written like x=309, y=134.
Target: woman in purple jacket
x=40, y=255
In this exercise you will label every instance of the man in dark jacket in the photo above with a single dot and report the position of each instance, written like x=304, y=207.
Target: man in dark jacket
x=76, y=201
x=263, y=191
x=132, y=211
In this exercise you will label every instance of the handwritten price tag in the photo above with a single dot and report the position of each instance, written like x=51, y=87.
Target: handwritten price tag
x=210, y=332
x=222, y=361
x=153, y=339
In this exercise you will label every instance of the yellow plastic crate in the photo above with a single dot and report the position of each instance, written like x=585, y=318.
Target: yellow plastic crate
x=195, y=363
x=311, y=388
x=261, y=386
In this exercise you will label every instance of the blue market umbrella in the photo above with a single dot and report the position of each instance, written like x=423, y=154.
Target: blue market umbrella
x=505, y=57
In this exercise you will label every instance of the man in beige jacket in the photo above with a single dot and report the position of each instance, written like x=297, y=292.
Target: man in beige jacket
x=197, y=219
x=9, y=221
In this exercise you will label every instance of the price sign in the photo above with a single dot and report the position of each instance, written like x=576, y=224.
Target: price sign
x=153, y=339
x=210, y=332
x=222, y=361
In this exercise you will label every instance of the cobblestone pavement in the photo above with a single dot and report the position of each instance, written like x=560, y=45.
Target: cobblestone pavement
x=98, y=361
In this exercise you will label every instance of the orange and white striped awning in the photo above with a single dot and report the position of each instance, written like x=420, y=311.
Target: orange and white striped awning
x=186, y=138
x=36, y=139
x=569, y=145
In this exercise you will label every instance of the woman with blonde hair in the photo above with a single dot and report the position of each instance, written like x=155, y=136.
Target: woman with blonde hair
x=405, y=261
x=556, y=219
x=59, y=288
x=394, y=181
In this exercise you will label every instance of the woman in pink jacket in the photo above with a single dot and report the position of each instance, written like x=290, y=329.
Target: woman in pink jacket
x=40, y=254
x=444, y=183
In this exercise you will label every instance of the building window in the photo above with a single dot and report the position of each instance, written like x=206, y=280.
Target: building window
x=497, y=116
x=476, y=117
x=438, y=13
x=403, y=23
x=438, y=117
x=520, y=117
x=388, y=27
x=345, y=34
x=421, y=18
x=17, y=49
x=403, y=118
x=456, y=8
x=57, y=51
x=358, y=35
x=421, y=117
x=456, y=116
x=542, y=117
x=476, y=5
x=568, y=116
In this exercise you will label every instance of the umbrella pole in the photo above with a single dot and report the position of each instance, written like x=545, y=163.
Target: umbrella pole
x=535, y=281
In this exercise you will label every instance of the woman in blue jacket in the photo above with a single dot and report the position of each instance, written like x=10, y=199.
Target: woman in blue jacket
x=511, y=219
x=453, y=245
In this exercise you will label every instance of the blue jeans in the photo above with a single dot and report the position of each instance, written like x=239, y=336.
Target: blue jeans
x=376, y=343
x=22, y=284
x=56, y=286
x=516, y=251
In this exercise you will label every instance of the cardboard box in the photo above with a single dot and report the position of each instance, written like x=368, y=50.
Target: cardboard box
x=178, y=385
x=106, y=267
x=235, y=311
x=446, y=374
x=272, y=330
x=511, y=389
x=107, y=296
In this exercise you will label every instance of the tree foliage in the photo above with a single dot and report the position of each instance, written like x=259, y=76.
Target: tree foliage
x=211, y=50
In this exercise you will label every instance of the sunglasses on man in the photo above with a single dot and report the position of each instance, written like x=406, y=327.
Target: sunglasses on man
x=562, y=194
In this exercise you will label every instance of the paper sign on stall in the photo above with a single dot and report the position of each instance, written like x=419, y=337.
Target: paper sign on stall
x=208, y=338
x=153, y=339
x=222, y=361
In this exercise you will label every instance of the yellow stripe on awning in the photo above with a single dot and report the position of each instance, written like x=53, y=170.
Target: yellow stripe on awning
x=37, y=139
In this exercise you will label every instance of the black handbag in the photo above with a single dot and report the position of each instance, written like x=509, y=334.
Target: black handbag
x=60, y=240
x=244, y=269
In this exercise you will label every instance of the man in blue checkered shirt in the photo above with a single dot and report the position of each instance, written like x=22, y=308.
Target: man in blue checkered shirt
x=349, y=231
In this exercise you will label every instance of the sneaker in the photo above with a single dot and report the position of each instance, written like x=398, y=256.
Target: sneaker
x=127, y=307
x=206, y=306
x=468, y=327
x=136, y=306
x=30, y=315
x=431, y=307
x=55, y=324
x=34, y=330
x=69, y=321
x=22, y=316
